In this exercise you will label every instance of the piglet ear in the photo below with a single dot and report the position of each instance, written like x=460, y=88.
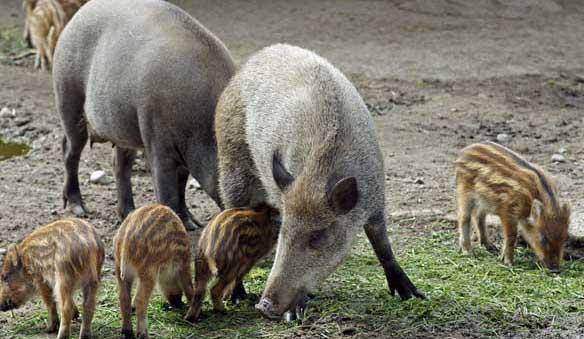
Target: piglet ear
x=344, y=195
x=566, y=209
x=12, y=254
x=536, y=211
x=282, y=177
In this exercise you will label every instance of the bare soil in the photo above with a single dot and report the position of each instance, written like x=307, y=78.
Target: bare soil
x=436, y=75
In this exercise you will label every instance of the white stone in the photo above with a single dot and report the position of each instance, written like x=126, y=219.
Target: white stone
x=558, y=158
x=2, y=251
x=5, y=112
x=98, y=177
x=193, y=183
x=503, y=137
x=562, y=150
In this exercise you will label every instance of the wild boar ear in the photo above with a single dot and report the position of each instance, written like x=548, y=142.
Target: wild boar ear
x=15, y=257
x=344, y=195
x=536, y=210
x=282, y=177
x=566, y=209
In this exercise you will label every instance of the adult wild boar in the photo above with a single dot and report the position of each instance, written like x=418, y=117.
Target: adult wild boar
x=141, y=74
x=293, y=132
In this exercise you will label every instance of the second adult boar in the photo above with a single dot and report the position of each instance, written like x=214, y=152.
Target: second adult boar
x=293, y=132
x=141, y=74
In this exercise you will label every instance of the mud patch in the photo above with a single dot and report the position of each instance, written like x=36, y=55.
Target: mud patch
x=9, y=150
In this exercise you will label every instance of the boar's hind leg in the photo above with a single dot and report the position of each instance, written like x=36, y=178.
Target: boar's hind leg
x=183, y=177
x=397, y=279
x=123, y=160
x=47, y=296
x=70, y=107
x=166, y=181
x=65, y=299
x=124, y=294
x=89, y=295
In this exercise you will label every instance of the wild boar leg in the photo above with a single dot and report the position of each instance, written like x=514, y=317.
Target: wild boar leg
x=143, y=293
x=89, y=295
x=464, y=219
x=71, y=110
x=125, y=290
x=480, y=219
x=509, y=238
x=47, y=295
x=183, y=177
x=65, y=299
x=123, y=160
x=217, y=292
x=166, y=183
x=397, y=279
x=186, y=282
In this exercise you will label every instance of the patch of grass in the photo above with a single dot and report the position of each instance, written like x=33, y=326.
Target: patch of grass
x=468, y=296
x=11, y=43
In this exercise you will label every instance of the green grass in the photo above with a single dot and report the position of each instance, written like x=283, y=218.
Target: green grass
x=11, y=43
x=471, y=296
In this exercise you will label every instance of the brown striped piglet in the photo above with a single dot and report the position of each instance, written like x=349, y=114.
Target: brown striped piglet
x=53, y=261
x=231, y=244
x=492, y=179
x=152, y=247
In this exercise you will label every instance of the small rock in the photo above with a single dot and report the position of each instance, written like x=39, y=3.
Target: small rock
x=558, y=158
x=503, y=138
x=419, y=181
x=98, y=177
x=193, y=183
x=54, y=212
x=562, y=150
x=2, y=250
x=454, y=110
x=5, y=112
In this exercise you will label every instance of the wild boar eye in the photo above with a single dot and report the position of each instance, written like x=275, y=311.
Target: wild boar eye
x=317, y=239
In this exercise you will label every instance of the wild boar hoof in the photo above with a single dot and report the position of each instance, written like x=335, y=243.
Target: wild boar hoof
x=238, y=296
x=175, y=301
x=53, y=328
x=404, y=287
x=127, y=334
x=192, y=318
x=491, y=248
x=190, y=225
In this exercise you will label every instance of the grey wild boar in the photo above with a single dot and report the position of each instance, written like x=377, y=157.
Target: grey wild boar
x=141, y=74
x=53, y=261
x=152, y=248
x=231, y=244
x=293, y=132
x=492, y=179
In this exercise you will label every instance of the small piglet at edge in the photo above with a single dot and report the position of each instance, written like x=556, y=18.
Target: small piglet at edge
x=231, y=244
x=151, y=246
x=53, y=261
x=492, y=179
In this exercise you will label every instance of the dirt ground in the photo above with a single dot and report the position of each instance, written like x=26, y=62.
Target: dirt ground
x=437, y=76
